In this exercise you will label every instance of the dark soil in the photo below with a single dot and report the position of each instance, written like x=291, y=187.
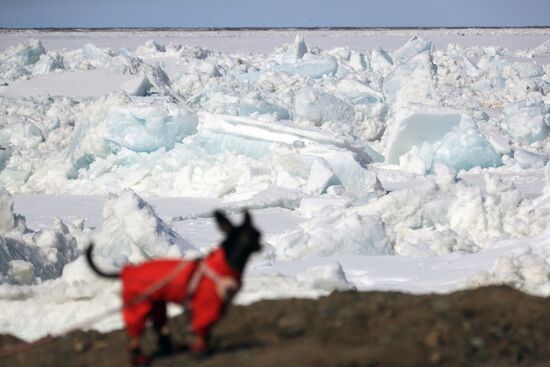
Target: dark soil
x=493, y=326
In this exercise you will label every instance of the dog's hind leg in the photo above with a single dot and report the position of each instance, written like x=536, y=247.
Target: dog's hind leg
x=135, y=317
x=158, y=316
x=160, y=325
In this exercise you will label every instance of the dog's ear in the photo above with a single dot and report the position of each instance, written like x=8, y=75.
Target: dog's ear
x=247, y=218
x=223, y=223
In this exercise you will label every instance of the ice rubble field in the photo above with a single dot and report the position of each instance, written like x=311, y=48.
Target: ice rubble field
x=415, y=168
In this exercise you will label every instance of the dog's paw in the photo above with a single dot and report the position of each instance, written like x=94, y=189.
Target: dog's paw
x=200, y=349
x=203, y=353
x=138, y=358
x=165, y=346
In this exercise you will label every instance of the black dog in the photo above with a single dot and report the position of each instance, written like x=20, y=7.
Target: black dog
x=204, y=286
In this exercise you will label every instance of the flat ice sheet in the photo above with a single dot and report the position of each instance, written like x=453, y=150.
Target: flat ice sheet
x=267, y=40
x=86, y=83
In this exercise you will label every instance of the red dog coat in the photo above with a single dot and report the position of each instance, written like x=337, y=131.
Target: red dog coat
x=206, y=297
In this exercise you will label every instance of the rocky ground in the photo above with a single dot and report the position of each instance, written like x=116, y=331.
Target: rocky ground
x=492, y=326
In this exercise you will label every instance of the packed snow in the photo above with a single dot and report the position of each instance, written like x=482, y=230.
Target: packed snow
x=419, y=165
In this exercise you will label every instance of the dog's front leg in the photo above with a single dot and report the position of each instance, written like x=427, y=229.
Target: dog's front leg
x=205, y=313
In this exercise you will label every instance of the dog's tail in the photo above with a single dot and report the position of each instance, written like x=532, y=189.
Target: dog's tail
x=94, y=267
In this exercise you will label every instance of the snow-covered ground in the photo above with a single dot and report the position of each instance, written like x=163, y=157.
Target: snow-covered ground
x=412, y=160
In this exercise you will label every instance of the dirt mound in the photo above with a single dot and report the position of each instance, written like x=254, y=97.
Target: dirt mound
x=493, y=326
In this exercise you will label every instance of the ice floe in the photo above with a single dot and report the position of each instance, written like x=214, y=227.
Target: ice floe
x=347, y=157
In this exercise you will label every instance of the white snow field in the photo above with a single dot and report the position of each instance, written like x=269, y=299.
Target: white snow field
x=412, y=160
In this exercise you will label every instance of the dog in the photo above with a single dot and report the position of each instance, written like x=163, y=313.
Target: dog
x=204, y=287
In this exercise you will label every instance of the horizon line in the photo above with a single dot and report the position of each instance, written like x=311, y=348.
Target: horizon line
x=92, y=29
